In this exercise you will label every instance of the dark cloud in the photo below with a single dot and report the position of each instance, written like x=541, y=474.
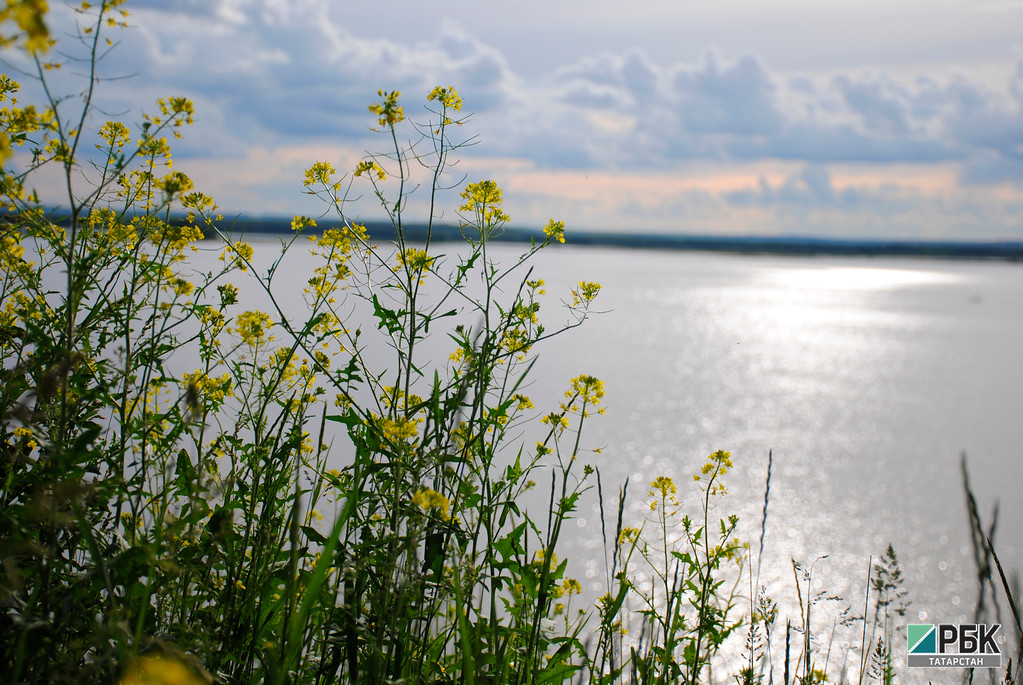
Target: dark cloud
x=881, y=105
x=735, y=98
x=740, y=110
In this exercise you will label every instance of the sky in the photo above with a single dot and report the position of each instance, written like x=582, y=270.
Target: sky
x=836, y=118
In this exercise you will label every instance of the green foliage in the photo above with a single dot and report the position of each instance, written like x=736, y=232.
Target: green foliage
x=144, y=505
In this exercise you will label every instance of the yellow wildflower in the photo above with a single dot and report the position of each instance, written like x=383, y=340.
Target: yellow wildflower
x=628, y=534
x=252, y=326
x=388, y=112
x=300, y=223
x=368, y=167
x=584, y=293
x=239, y=255
x=431, y=500
x=320, y=173
x=414, y=260
x=663, y=487
x=523, y=402
x=448, y=97
x=483, y=200
x=158, y=669
x=587, y=388
x=555, y=230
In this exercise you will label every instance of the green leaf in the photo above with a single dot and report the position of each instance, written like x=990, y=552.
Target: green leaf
x=387, y=318
x=313, y=535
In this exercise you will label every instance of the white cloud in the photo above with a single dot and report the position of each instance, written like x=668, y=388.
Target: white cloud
x=271, y=78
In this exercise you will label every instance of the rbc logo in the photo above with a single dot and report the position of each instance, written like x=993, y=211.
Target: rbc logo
x=951, y=645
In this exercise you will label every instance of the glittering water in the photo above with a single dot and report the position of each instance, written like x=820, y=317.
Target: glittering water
x=866, y=377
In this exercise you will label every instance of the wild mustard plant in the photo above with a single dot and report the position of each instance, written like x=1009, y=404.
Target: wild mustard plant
x=198, y=503
x=688, y=603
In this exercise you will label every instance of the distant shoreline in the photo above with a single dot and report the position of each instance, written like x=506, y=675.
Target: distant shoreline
x=783, y=245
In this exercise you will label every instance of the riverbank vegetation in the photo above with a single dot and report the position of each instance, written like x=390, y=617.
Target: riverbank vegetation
x=195, y=491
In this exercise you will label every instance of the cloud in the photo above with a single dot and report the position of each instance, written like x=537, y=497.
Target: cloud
x=739, y=109
x=293, y=71
x=736, y=98
x=289, y=70
x=274, y=77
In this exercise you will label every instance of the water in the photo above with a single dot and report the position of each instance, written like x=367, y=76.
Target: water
x=866, y=377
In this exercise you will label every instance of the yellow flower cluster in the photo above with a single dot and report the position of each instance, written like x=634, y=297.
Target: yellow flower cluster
x=215, y=390
x=174, y=111
x=368, y=168
x=115, y=134
x=432, y=501
x=299, y=378
x=516, y=341
x=252, y=327
x=198, y=203
x=718, y=464
x=540, y=556
x=483, y=201
x=460, y=354
x=663, y=490
x=450, y=101
x=663, y=486
x=326, y=324
x=121, y=237
x=174, y=184
x=395, y=397
x=238, y=254
x=321, y=173
x=26, y=436
x=414, y=260
x=344, y=239
x=156, y=148
x=18, y=307
x=180, y=286
x=396, y=431
x=628, y=535
x=554, y=420
x=584, y=293
x=16, y=122
x=161, y=670
x=12, y=255
x=588, y=388
x=448, y=97
x=523, y=402
x=335, y=245
x=527, y=313
x=300, y=223
x=228, y=294
x=555, y=230
x=29, y=15
x=175, y=237
x=388, y=112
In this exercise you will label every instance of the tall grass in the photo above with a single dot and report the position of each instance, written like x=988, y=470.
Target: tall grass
x=195, y=492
